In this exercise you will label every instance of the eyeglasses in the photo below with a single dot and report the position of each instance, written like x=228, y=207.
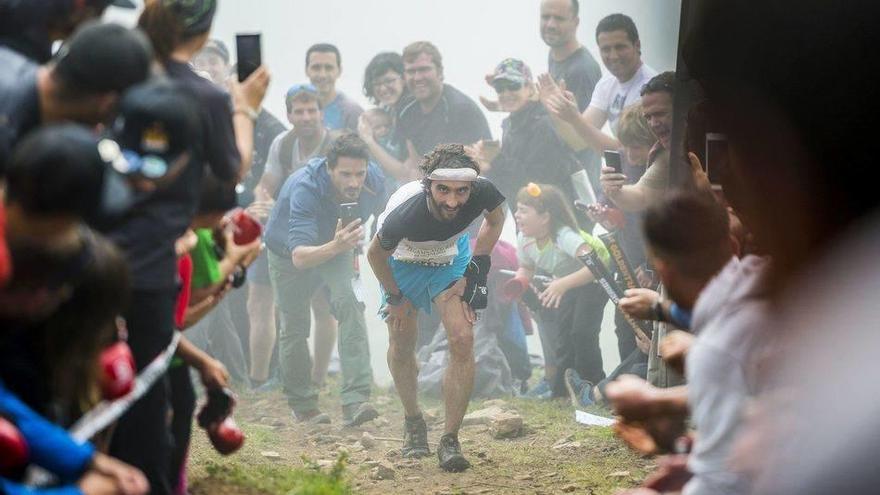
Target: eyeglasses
x=503, y=85
x=386, y=82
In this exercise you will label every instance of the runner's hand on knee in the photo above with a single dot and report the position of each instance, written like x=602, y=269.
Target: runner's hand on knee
x=397, y=312
x=476, y=294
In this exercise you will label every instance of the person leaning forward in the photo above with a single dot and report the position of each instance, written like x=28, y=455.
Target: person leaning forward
x=421, y=256
x=310, y=247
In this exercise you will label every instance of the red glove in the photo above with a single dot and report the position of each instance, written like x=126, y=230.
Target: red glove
x=216, y=418
x=14, y=451
x=247, y=228
x=118, y=371
x=218, y=406
x=225, y=436
x=513, y=289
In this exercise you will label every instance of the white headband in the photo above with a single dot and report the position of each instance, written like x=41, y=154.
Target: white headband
x=457, y=174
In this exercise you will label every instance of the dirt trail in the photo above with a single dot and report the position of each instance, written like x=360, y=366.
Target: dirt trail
x=553, y=454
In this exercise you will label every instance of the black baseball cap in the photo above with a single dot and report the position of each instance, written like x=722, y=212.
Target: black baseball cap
x=156, y=126
x=58, y=169
x=104, y=57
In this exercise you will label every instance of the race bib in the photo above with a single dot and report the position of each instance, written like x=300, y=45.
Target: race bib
x=428, y=252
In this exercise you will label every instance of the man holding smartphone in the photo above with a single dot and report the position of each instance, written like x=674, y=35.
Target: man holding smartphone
x=309, y=247
x=657, y=97
x=421, y=255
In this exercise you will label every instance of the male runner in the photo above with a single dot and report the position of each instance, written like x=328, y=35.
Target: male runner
x=421, y=255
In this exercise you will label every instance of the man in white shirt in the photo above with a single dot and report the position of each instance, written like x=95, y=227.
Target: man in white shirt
x=621, y=51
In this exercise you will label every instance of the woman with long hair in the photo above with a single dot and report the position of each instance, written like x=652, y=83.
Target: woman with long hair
x=384, y=86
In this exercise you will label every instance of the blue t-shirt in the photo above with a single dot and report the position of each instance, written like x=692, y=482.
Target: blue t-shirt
x=342, y=113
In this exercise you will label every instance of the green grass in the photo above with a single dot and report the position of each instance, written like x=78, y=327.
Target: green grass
x=266, y=478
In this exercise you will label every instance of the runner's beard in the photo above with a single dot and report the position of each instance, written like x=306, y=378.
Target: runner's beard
x=440, y=212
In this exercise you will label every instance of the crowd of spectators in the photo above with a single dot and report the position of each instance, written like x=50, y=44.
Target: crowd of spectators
x=143, y=185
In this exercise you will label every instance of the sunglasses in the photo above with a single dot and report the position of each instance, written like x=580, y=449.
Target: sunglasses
x=299, y=88
x=502, y=85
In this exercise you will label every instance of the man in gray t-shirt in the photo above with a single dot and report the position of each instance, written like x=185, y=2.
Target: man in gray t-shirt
x=289, y=152
x=568, y=60
x=571, y=62
x=292, y=149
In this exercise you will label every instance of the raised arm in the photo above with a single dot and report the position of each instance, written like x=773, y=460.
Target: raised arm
x=247, y=98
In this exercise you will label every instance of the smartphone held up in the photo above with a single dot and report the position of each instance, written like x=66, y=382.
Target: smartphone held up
x=250, y=54
x=717, y=158
x=612, y=159
x=348, y=212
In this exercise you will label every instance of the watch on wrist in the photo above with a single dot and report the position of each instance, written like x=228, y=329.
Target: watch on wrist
x=394, y=299
x=657, y=309
x=248, y=112
x=239, y=276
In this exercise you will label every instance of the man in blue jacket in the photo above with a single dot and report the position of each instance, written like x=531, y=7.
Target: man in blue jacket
x=312, y=234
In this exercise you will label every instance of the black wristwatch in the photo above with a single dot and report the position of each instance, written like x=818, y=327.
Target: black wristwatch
x=657, y=309
x=239, y=276
x=394, y=299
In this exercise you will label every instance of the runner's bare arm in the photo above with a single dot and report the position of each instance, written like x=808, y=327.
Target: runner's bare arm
x=490, y=231
x=378, y=258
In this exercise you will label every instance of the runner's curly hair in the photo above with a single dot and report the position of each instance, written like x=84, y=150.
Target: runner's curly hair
x=446, y=156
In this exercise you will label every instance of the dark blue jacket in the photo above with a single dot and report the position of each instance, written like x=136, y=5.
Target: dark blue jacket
x=307, y=208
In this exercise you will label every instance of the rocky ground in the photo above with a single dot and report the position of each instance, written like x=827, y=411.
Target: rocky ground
x=515, y=446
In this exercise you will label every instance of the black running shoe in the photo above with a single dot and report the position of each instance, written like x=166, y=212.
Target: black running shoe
x=449, y=453
x=415, y=438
